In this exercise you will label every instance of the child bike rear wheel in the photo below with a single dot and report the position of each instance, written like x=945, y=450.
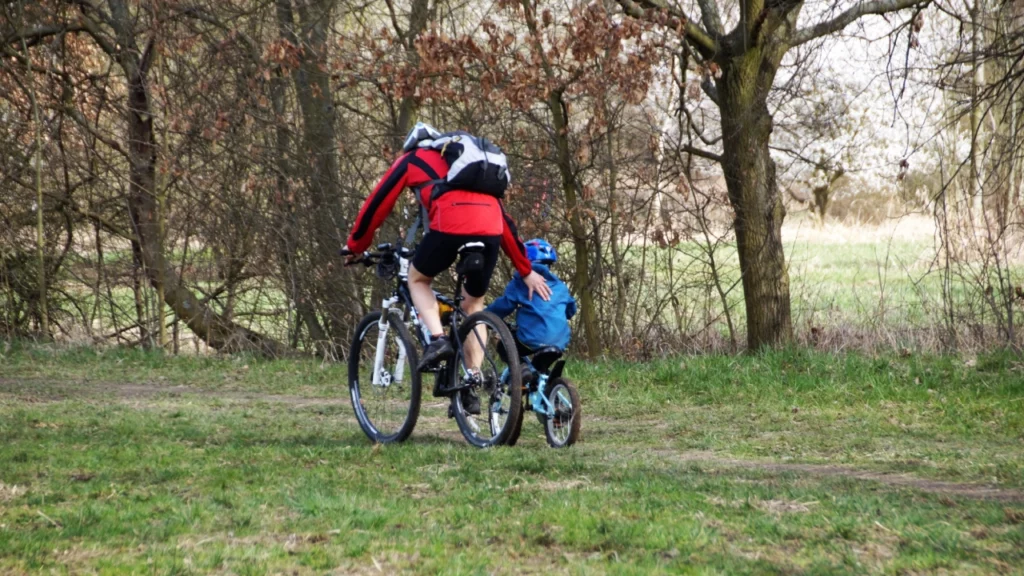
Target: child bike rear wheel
x=500, y=391
x=388, y=408
x=563, y=429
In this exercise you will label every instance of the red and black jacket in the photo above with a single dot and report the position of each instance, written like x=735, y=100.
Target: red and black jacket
x=456, y=212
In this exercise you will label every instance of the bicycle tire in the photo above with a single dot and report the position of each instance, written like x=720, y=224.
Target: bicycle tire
x=356, y=387
x=555, y=434
x=515, y=392
x=513, y=437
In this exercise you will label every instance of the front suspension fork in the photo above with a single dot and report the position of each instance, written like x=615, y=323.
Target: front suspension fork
x=382, y=337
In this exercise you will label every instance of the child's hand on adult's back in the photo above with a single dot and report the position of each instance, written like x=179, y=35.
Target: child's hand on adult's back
x=536, y=283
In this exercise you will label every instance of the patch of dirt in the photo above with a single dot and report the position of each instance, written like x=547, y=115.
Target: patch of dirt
x=961, y=489
x=9, y=492
x=777, y=507
x=552, y=486
x=31, y=390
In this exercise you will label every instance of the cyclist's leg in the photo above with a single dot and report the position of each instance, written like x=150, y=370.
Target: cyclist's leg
x=424, y=300
x=473, y=290
x=435, y=254
x=471, y=347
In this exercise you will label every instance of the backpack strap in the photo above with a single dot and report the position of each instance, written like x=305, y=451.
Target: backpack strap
x=421, y=219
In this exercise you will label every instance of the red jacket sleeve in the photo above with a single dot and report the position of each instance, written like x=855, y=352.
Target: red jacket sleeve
x=377, y=207
x=513, y=246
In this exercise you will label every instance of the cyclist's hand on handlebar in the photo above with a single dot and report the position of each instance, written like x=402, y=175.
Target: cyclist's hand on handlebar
x=350, y=257
x=536, y=283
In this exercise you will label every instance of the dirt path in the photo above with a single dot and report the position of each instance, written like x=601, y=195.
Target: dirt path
x=53, y=391
x=962, y=489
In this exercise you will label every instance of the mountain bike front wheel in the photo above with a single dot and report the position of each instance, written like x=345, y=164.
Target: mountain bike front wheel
x=382, y=378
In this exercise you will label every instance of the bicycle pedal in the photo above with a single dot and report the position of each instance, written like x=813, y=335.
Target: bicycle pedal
x=438, y=391
x=457, y=388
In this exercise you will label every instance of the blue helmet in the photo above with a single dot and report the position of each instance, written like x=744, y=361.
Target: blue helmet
x=539, y=250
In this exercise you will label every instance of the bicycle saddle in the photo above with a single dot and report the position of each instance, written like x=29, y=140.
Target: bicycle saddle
x=544, y=357
x=471, y=258
x=470, y=247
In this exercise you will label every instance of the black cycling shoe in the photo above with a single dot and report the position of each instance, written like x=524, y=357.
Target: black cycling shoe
x=528, y=377
x=435, y=352
x=470, y=401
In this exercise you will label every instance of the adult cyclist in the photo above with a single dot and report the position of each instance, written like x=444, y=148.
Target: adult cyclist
x=455, y=218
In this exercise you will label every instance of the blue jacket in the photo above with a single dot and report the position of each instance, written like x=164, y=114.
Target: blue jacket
x=540, y=323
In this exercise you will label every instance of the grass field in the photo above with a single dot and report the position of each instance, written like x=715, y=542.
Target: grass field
x=793, y=462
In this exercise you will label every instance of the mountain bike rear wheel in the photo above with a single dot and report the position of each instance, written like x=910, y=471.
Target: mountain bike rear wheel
x=500, y=390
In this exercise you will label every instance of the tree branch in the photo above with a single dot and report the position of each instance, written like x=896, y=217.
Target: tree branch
x=697, y=129
x=93, y=29
x=710, y=17
x=394, y=20
x=711, y=90
x=701, y=41
x=81, y=120
x=693, y=150
x=35, y=35
x=846, y=18
x=200, y=15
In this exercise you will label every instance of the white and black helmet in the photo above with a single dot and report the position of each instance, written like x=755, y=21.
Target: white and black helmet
x=420, y=133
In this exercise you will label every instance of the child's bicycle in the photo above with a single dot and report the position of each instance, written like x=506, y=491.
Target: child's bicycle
x=548, y=394
x=383, y=381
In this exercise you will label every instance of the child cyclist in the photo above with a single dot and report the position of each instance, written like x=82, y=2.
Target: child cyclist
x=539, y=323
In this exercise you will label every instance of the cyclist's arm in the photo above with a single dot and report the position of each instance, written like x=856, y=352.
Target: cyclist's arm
x=377, y=207
x=513, y=246
x=570, y=309
x=506, y=304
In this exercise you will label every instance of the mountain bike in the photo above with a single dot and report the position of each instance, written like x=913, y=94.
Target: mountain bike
x=548, y=394
x=385, y=386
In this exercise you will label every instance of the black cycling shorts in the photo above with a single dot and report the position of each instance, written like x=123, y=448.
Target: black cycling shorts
x=438, y=251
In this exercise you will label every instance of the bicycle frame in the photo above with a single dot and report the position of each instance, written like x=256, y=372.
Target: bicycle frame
x=402, y=296
x=538, y=399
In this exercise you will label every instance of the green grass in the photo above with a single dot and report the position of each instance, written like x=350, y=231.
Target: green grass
x=791, y=462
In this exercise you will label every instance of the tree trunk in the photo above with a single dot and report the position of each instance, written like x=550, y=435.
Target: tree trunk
x=419, y=16
x=750, y=176
x=617, y=253
x=1013, y=190
x=582, y=280
x=141, y=315
x=218, y=332
x=977, y=112
x=294, y=282
x=30, y=82
x=319, y=147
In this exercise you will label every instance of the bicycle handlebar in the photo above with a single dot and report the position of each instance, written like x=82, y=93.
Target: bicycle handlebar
x=370, y=258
